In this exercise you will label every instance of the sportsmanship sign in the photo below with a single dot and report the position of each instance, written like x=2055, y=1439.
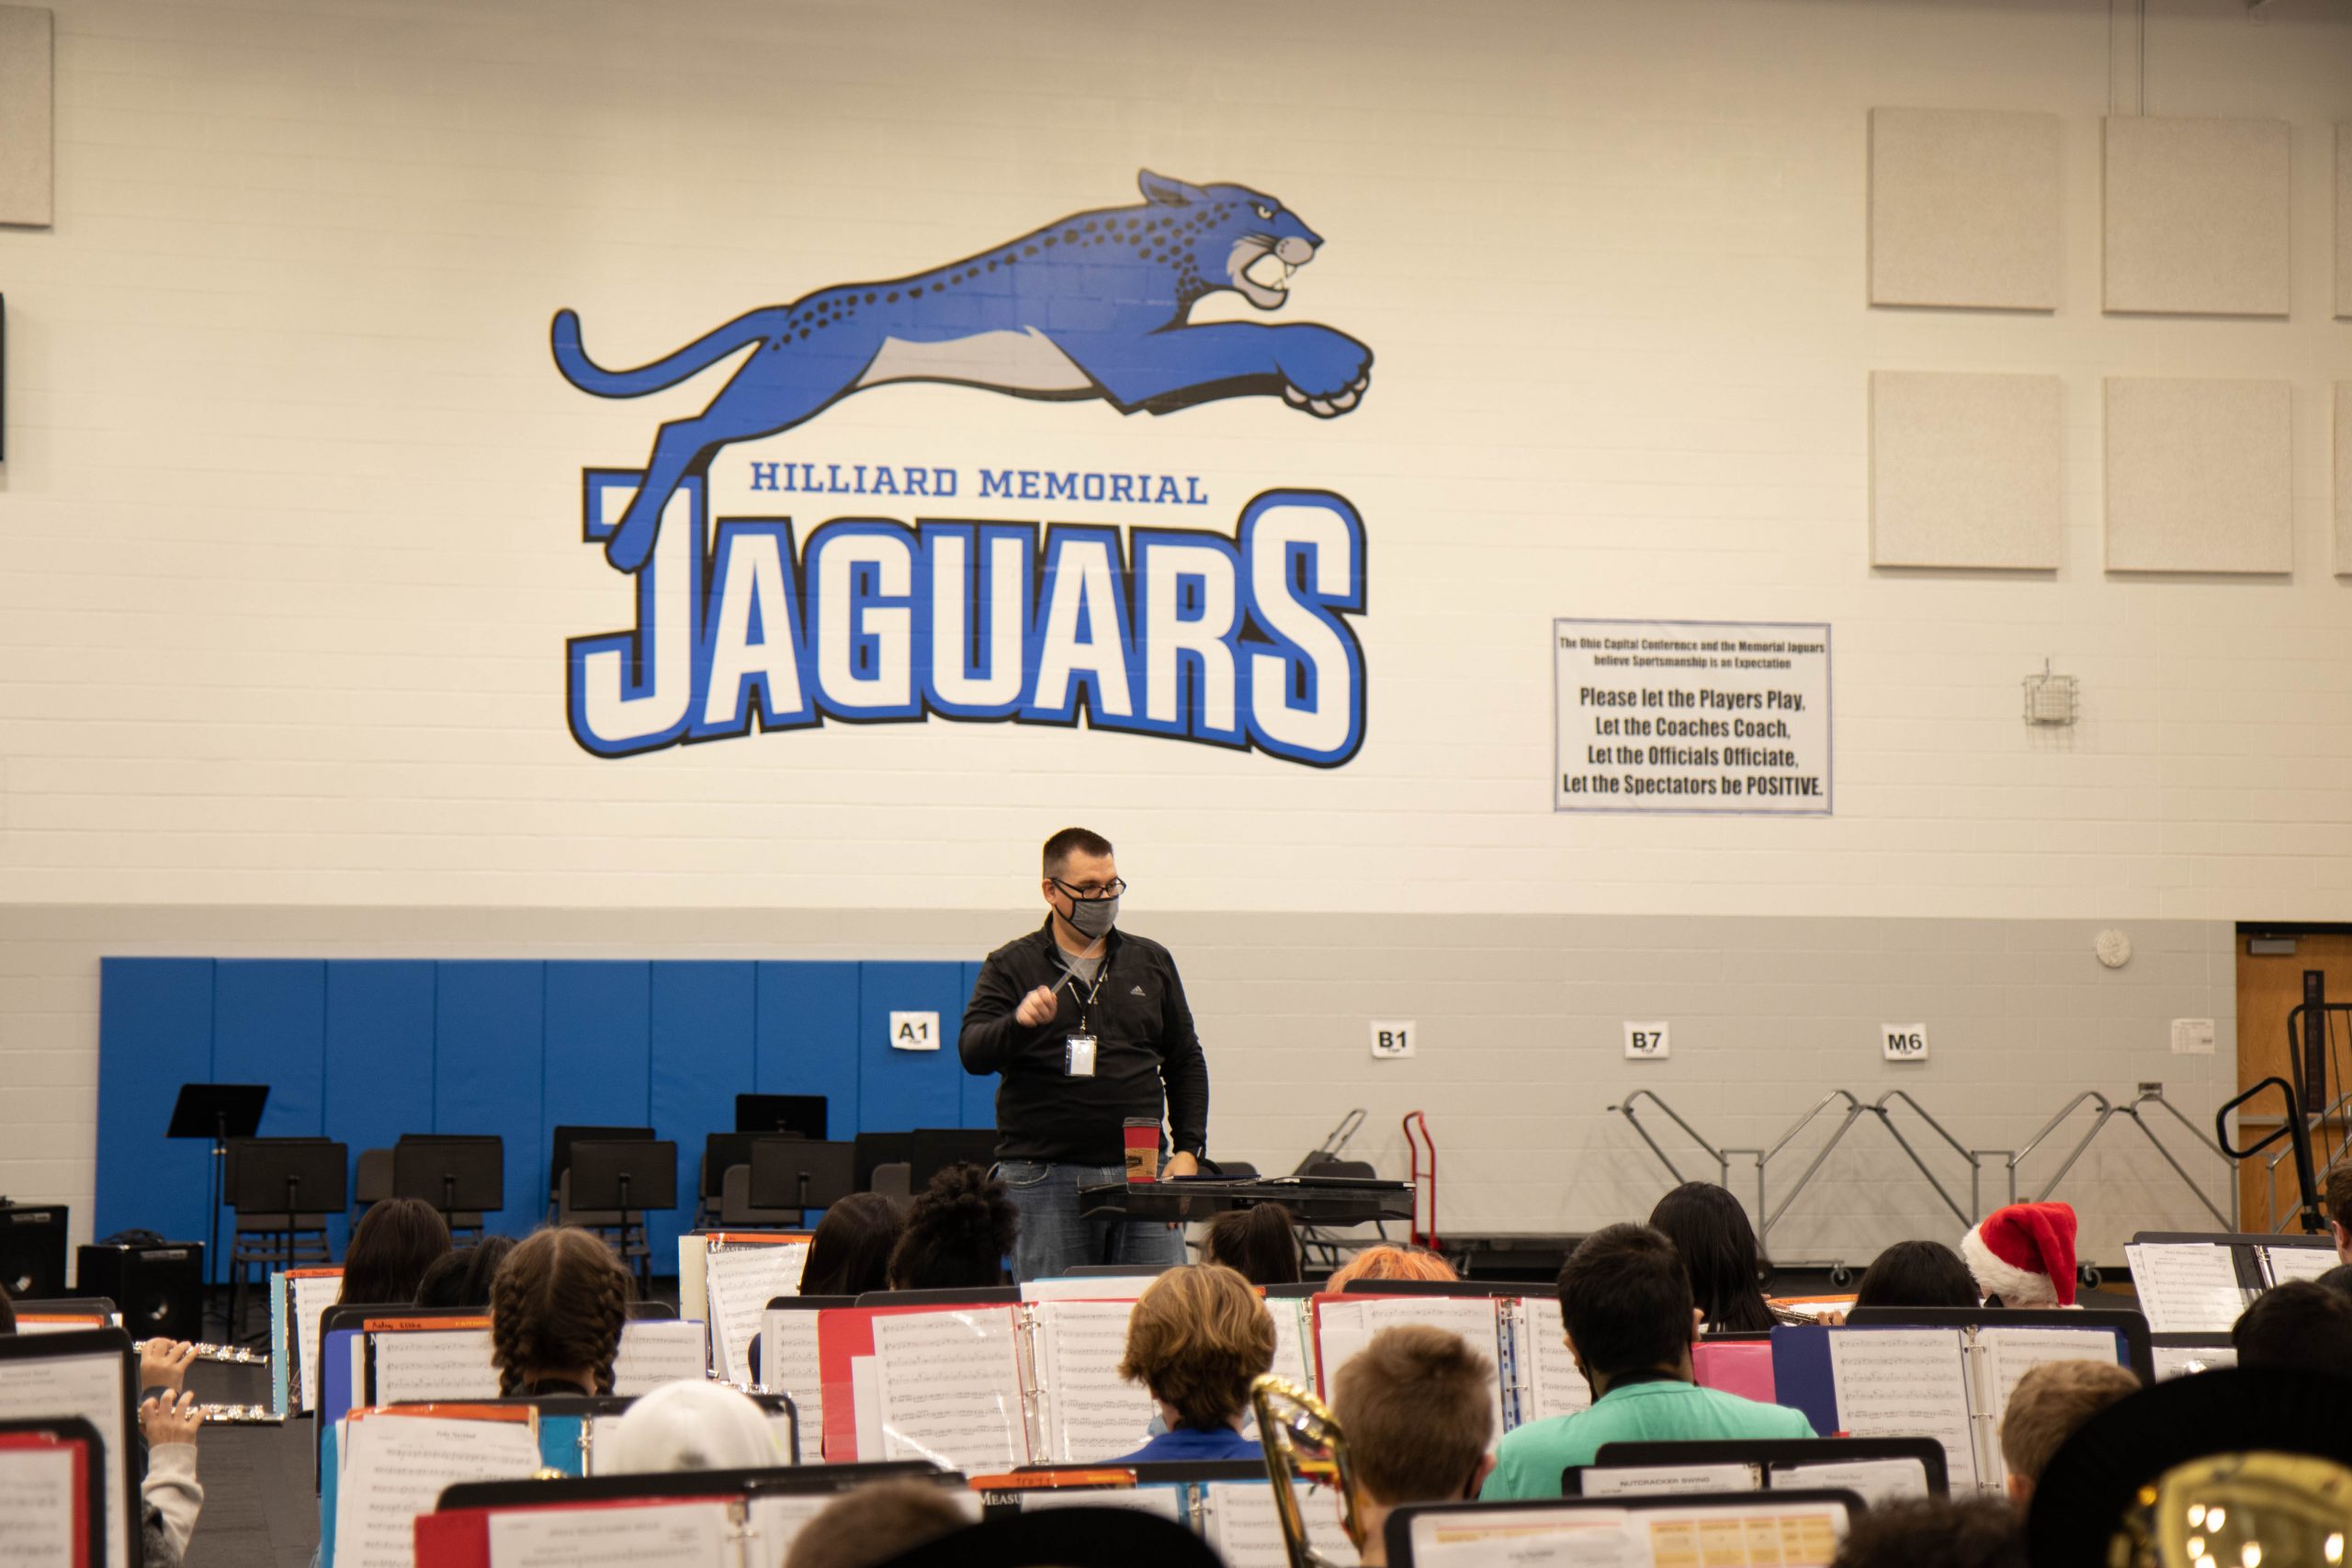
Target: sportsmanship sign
x=1729, y=717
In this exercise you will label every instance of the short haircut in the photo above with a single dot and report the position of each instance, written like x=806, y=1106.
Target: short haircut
x=1071, y=841
x=1980, y=1533
x=1416, y=1407
x=876, y=1523
x=1259, y=1243
x=2338, y=1195
x=956, y=1234
x=1918, y=1274
x=1389, y=1261
x=1196, y=1338
x=462, y=1278
x=2338, y=1279
x=2300, y=1326
x=556, y=1307
x=2051, y=1403
x=392, y=1247
x=1626, y=1300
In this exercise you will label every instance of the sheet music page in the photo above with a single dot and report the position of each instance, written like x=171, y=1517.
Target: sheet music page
x=37, y=1506
x=433, y=1363
x=950, y=1389
x=1347, y=1327
x=657, y=1350
x=645, y=1535
x=395, y=1468
x=788, y=1365
x=1875, y=1481
x=602, y=1430
x=2010, y=1353
x=2187, y=1288
x=2285, y=1263
x=2182, y=1360
x=1161, y=1502
x=777, y=1518
x=1906, y=1382
x=1556, y=1386
x=1291, y=1359
x=1245, y=1528
x=1761, y=1534
x=1108, y=1288
x=1503, y=1536
x=740, y=1281
x=89, y=1386
x=1633, y=1481
x=312, y=1295
x=1090, y=1412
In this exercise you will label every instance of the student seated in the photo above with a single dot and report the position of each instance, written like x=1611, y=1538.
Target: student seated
x=850, y=1254
x=1197, y=1337
x=1417, y=1413
x=2336, y=1200
x=957, y=1236
x=392, y=1247
x=1936, y=1533
x=461, y=1278
x=1389, y=1261
x=876, y=1523
x=556, y=1311
x=1631, y=1323
x=691, y=1426
x=1918, y=1274
x=1711, y=1231
x=2049, y=1406
x=169, y=1496
x=2300, y=1324
x=1260, y=1243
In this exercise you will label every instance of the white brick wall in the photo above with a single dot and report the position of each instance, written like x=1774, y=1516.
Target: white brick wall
x=290, y=514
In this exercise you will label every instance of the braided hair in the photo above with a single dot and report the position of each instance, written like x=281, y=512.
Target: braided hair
x=558, y=1304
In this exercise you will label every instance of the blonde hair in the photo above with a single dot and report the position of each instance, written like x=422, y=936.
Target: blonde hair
x=1389, y=1261
x=1196, y=1337
x=1416, y=1409
x=2049, y=1405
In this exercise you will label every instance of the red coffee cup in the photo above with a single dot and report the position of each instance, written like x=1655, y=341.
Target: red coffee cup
x=1143, y=1148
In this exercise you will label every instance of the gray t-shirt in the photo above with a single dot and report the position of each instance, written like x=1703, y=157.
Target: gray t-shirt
x=1086, y=969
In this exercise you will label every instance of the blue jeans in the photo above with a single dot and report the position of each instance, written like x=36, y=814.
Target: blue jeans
x=1053, y=1238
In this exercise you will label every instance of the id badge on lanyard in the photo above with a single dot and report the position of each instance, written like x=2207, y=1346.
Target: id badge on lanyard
x=1079, y=1046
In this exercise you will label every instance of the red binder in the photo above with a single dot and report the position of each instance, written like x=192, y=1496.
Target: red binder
x=51, y=1442
x=460, y=1538
x=845, y=1334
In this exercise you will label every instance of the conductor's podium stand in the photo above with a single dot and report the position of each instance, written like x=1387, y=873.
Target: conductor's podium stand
x=1312, y=1199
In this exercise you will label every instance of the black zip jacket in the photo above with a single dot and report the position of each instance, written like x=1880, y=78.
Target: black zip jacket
x=1147, y=1051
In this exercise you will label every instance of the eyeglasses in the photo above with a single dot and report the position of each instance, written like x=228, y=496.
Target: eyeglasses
x=1092, y=895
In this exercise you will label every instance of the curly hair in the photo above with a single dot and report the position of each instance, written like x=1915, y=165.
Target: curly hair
x=557, y=1305
x=957, y=1234
x=1196, y=1338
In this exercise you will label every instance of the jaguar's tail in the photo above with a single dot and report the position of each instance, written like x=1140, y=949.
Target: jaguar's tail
x=699, y=354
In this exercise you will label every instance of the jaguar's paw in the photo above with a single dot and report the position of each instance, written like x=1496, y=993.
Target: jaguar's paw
x=1331, y=405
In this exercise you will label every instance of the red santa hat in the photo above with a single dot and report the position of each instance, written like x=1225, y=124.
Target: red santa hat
x=2024, y=1253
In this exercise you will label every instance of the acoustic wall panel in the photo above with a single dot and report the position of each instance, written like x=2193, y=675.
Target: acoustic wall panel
x=154, y=1034
x=905, y=1080
x=1967, y=470
x=2196, y=216
x=1966, y=209
x=706, y=1050
x=2199, y=475
x=2342, y=487
x=378, y=1049
x=597, y=1044
x=487, y=1067
x=28, y=135
x=269, y=1025
x=807, y=1041
x=2344, y=222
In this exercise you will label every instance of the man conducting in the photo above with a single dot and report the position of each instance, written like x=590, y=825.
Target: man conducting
x=1089, y=1027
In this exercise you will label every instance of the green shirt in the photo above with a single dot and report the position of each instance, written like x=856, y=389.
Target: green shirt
x=1529, y=1462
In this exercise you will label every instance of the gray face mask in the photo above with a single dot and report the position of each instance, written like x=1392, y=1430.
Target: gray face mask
x=1093, y=917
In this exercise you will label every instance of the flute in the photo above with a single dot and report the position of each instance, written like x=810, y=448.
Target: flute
x=230, y=1355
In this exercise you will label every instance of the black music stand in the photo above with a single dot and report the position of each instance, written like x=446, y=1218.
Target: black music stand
x=793, y=1173
x=219, y=1111
x=453, y=1173
x=565, y=1137
x=625, y=1174
x=801, y=1113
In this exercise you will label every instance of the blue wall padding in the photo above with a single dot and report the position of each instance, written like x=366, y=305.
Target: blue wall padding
x=269, y=1025
x=706, y=1030
x=979, y=1091
x=156, y=1035
x=598, y=1044
x=379, y=1059
x=807, y=1039
x=364, y=1049
x=898, y=1091
x=488, y=1024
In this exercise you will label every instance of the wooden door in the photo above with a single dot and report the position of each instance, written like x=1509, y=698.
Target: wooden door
x=2269, y=988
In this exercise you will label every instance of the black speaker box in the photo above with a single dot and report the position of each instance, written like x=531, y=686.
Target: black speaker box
x=32, y=1250
x=159, y=1289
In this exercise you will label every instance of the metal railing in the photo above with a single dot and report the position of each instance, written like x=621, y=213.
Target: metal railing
x=2149, y=1094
